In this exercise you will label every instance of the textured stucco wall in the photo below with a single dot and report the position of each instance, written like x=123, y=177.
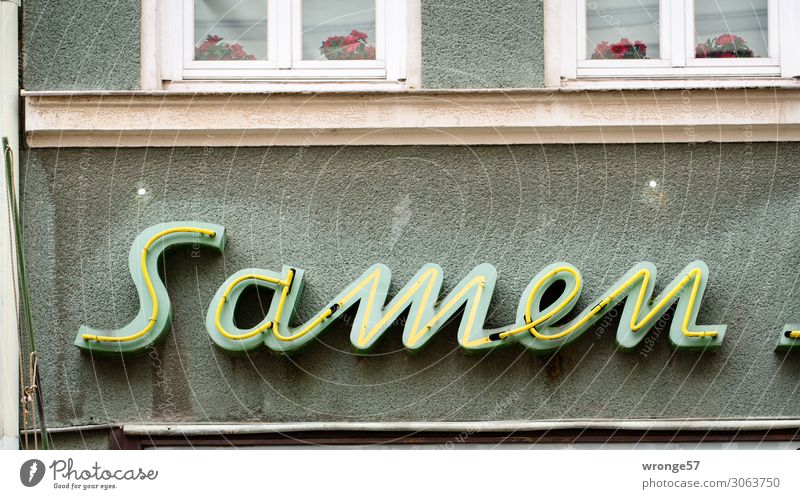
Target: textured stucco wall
x=89, y=440
x=335, y=211
x=94, y=45
x=80, y=44
x=482, y=44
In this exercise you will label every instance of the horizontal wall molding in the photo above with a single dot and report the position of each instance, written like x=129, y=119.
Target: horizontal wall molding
x=166, y=429
x=472, y=426
x=540, y=116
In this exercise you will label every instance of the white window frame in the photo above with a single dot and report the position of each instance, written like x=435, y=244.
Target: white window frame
x=677, y=47
x=176, y=48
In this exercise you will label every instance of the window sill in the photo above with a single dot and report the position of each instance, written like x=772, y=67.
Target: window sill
x=175, y=118
x=695, y=83
x=284, y=86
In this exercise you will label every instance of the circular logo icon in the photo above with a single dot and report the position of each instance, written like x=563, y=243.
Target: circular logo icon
x=31, y=472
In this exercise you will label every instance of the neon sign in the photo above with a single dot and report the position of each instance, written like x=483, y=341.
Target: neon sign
x=537, y=326
x=790, y=339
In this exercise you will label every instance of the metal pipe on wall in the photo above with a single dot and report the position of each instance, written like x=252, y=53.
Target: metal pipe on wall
x=183, y=429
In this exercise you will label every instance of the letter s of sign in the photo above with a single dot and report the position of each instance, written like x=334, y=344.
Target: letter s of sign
x=155, y=312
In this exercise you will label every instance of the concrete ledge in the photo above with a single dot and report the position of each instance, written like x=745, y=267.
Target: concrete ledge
x=472, y=426
x=169, y=119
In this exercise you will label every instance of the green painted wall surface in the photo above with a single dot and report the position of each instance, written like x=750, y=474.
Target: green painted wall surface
x=94, y=45
x=90, y=440
x=482, y=44
x=80, y=44
x=335, y=211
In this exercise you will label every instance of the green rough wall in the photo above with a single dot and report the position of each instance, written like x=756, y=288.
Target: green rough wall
x=334, y=211
x=94, y=44
x=87, y=440
x=482, y=44
x=80, y=44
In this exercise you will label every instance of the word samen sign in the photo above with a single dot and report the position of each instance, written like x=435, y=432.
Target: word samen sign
x=536, y=328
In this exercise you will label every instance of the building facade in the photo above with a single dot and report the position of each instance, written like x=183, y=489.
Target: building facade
x=328, y=137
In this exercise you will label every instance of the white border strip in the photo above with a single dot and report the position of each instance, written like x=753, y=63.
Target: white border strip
x=426, y=117
x=9, y=311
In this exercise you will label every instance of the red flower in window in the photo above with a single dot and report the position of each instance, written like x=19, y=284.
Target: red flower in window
x=624, y=49
x=620, y=49
x=350, y=47
x=212, y=50
x=601, y=51
x=725, y=39
x=724, y=46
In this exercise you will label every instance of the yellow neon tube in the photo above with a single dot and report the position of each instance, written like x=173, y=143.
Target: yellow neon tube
x=321, y=317
x=644, y=274
x=429, y=275
x=375, y=275
x=471, y=319
x=416, y=333
x=443, y=310
x=149, y=283
x=370, y=300
x=259, y=330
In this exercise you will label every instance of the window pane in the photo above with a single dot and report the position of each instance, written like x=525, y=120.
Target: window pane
x=731, y=28
x=230, y=30
x=338, y=30
x=622, y=29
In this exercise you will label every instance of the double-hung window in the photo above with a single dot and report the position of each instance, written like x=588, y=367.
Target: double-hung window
x=283, y=40
x=679, y=38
